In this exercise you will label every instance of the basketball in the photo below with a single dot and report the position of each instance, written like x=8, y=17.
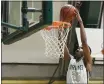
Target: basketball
x=67, y=13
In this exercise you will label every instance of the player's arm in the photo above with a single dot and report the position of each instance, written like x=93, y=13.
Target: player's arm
x=66, y=53
x=86, y=51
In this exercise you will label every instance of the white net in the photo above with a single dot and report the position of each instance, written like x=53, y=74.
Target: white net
x=55, y=41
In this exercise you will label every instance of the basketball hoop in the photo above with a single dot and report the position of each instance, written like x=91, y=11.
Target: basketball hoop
x=55, y=37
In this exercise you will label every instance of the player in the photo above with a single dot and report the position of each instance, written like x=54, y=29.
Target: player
x=81, y=63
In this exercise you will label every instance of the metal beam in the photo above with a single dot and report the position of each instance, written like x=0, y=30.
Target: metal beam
x=4, y=24
x=18, y=35
x=47, y=12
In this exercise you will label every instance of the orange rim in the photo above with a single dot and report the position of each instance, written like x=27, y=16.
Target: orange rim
x=58, y=24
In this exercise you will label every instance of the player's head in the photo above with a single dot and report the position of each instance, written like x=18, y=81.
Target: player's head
x=67, y=13
x=79, y=52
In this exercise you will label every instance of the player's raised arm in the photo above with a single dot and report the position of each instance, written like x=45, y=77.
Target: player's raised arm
x=66, y=53
x=86, y=50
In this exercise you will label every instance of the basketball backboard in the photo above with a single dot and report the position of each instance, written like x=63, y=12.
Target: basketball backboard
x=14, y=13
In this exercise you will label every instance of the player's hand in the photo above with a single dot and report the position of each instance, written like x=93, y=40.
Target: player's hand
x=78, y=16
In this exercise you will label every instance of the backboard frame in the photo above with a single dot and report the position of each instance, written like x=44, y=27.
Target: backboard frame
x=26, y=29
